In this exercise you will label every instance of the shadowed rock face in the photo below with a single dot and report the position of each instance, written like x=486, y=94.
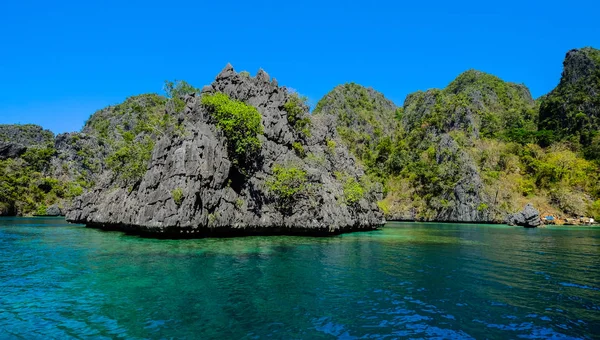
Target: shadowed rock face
x=11, y=150
x=215, y=198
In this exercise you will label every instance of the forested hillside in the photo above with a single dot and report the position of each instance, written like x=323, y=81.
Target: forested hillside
x=478, y=149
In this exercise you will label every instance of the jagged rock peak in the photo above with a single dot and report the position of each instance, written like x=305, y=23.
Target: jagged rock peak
x=573, y=107
x=263, y=76
x=580, y=63
x=227, y=72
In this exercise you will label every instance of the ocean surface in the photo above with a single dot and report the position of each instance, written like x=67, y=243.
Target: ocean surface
x=408, y=280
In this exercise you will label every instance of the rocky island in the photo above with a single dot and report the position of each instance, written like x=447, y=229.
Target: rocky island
x=245, y=157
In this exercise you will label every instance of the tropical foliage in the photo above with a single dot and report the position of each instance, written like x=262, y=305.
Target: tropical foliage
x=241, y=124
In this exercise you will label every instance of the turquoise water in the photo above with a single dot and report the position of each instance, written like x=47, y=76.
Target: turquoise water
x=407, y=280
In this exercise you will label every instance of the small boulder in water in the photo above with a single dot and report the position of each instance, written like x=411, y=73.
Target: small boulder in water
x=529, y=217
x=53, y=210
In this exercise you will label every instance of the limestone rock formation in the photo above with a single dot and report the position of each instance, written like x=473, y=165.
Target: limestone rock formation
x=193, y=186
x=54, y=210
x=573, y=107
x=78, y=155
x=421, y=151
x=15, y=139
x=529, y=217
x=11, y=150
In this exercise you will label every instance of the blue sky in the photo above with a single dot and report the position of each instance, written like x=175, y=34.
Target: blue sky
x=62, y=60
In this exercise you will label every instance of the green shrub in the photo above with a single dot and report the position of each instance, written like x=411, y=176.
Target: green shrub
x=239, y=203
x=295, y=108
x=177, y=195
x=353, y=190
x=241, y=124
x=595, y=210
x=384, y=207
x=101, y=126
x=39, y=157
x=73, y=190
x=176, y=90
x=299, y=149
x=130, y=161
x=41, y=210
x=331, y=145
x=287, y=183
x=245, y=74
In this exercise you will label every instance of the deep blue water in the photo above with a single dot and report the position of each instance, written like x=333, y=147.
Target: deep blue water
x=407, y=280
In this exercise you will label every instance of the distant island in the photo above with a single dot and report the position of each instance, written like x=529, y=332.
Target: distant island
x=245, y=156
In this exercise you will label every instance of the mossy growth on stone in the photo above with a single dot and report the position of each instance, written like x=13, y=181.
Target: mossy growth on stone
x=241, y=124
x=331, y=144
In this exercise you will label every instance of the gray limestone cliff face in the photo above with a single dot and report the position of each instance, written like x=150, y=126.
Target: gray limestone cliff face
x=192, y=188
x=78, y=155
x=463, y=204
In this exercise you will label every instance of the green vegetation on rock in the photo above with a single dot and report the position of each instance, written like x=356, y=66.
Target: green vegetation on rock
x=353, y=189
x=130, y=160
x=572, y=110
x=297, y=116
x=474, y=151
x=177, y=195
x=241, y=124
x=364, y=117
x=287, y=183
x=469, y=152
x=25, y=187
x=25, y=134
x=176, y=90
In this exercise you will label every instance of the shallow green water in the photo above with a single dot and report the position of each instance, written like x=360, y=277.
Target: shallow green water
x=407, y=280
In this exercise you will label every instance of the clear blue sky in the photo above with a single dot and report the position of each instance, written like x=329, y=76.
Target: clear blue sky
x=62, y=60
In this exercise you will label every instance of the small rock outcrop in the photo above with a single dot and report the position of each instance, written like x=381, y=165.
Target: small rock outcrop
x=11, y=150
x=54, y=210
x=529, y=217
x=193, y=186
